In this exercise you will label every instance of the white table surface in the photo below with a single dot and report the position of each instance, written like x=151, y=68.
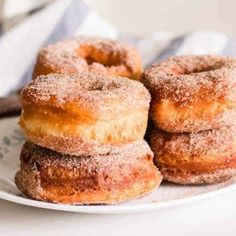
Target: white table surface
x=215, y=216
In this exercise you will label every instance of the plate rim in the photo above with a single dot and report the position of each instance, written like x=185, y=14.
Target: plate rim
x=112, y=209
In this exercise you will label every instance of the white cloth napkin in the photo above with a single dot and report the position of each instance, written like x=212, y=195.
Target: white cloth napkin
x=62, y=19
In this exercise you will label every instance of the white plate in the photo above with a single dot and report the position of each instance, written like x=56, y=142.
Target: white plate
x=168, y=195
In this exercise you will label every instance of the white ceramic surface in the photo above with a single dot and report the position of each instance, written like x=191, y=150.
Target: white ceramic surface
x=168, y=195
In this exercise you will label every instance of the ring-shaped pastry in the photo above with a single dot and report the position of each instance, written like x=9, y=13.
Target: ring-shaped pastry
x=205, y=157
x=192, y=93
x=125, y=173
x=89, y=54
x=84, y=113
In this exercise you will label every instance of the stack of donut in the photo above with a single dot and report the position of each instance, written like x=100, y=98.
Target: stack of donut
x=85, y=116
x=85, y=125
x=193, y=110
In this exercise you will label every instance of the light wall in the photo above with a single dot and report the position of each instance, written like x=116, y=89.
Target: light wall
x=140, y=17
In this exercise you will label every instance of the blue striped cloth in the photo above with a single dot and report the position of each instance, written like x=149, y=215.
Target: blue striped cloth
x=63, y=19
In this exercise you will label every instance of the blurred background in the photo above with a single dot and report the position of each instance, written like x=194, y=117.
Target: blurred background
x=158, y=28
x=139, y=18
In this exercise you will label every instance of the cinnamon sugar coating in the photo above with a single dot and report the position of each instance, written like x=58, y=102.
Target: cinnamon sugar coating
x=89, y=54
x=191, y=178
x=93, y=93
x=84, y=113
x=124, y=173
x=197, y=154
x=199, y=92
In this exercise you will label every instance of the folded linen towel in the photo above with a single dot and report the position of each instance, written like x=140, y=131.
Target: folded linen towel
x=63, y=19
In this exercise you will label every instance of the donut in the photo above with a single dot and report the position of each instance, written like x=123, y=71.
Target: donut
x=205, y=157
x=125, y=173
x=192, y=93
x=89, y=54
x=84, y=113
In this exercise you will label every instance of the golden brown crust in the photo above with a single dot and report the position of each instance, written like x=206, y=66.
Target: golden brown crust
x=196, y=154
x=120, y=175
x=84, y=110
x=89, y=54
x=194, y=118
x=79, y=145
x=186, y=177
x=199, y=92
x=87, y=93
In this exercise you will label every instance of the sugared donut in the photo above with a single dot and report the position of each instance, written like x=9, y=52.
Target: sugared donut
x=89, y=54
x=124, y=173
x=84, y=113
x=195, y=158
x=192, y=93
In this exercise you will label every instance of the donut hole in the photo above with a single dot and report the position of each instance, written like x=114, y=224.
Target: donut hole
x=109, y=62
x=101, y=56
x=204, y=68
x=183, y=69
x=102, y=86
